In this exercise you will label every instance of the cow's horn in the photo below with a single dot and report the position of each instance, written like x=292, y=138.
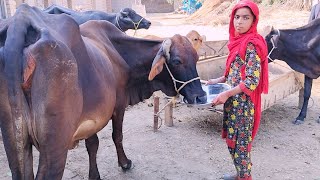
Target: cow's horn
x=123, y=13
x=166, y=48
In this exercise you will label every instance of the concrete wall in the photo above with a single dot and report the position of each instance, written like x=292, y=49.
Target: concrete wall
x=10, y=7
x=117, y=5
x=158, y=6
x=81, y=5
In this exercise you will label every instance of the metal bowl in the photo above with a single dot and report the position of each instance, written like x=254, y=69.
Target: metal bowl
x=212, y=91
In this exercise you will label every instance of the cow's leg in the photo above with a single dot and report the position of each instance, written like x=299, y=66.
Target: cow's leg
x=19, y=154
x=52, y=160
x=117, y=123
x=306, y=96
x=13, y=158
x=57, y=106
x=28, y=161
x=92, y=145
x=8, y=136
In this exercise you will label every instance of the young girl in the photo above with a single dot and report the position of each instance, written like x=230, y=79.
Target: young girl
x=247, y=73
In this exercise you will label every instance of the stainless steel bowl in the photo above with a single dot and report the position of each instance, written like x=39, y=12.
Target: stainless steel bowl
x=212, y=91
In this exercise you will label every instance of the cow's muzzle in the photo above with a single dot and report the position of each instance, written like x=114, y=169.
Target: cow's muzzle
x=196, y=100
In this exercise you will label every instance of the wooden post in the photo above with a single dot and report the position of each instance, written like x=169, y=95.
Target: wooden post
x=156, y=110
x=168, y=111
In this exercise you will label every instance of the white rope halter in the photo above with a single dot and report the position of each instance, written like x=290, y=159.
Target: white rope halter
x=135, y=24
x=175, y=81
x=117, y=21
x=273, y=47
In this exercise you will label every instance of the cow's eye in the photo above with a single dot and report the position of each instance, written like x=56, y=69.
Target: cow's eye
x=176, y=62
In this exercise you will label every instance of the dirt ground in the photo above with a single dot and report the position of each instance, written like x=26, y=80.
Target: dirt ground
x=192, y=149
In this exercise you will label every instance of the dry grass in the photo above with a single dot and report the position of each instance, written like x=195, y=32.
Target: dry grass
x=280, y=14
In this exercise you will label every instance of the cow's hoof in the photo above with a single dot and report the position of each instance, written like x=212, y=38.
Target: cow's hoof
x=94, y=175
x=298, y=122
x=97, y=178
x=318, y=121
x=128, y=166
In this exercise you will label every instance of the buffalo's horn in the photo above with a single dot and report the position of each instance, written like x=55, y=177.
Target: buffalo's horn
x=166, y=48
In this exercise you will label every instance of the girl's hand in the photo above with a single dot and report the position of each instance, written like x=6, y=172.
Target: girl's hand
x=211, y=81
x=215, y=81
x=220, y=99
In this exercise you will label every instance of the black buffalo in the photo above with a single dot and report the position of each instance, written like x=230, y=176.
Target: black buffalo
x=126, y=19
x=300, y=49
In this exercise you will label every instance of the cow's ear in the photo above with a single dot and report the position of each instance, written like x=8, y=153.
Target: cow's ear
x=275, y=38
x=157, y=66
x=272, y=28
x=162, y=56
x=124, y=14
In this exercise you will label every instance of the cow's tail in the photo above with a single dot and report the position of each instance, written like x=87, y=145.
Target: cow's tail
x=16, y=124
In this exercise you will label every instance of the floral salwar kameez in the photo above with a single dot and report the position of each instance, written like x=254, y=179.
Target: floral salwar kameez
x=239, y=112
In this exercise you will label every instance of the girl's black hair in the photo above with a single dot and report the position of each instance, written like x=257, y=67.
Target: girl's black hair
x=254, y=16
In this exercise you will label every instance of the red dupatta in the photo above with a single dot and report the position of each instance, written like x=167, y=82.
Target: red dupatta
x=238, y=45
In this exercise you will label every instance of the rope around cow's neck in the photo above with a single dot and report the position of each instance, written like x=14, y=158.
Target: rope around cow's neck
x=117, y=21
x=184, y=83
x=273, y=47
x=136, y=25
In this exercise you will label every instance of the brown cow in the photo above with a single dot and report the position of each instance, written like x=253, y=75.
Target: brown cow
x=194, y=37
x=60, y=84
x=196, y=40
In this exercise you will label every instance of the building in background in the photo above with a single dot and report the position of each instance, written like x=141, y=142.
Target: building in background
x=8, y=7
x=161, y=6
